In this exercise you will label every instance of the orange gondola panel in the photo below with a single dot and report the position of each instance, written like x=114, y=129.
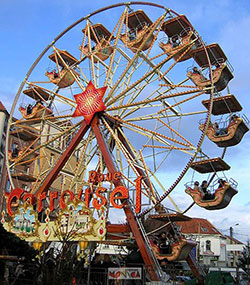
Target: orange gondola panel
x=230, y=135
x=179, y=250
x=65, y=76
x=34, y=111
x=180, y=37
x=102, y=38
x=221, y=73
x=139, y=27
x=15, y=154
x=219, y=199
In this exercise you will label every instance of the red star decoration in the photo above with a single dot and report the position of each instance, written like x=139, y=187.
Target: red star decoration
x=89, y=102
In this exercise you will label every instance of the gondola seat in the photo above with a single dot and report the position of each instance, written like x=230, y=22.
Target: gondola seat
x=101, y=50
x=13, y=158
x=37, y=111
x=62, y=79
x=102, y=39
x=135, y=41
x=222, y=197
x=221, y=76
x=235, y=132
x=186, y=41
x=139, y=27
x=179, y=250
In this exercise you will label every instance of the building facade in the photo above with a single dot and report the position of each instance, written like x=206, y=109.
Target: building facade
x=211, y=243
x=4, y=116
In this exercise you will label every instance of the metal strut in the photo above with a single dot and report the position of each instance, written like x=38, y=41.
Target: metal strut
x=148, y=256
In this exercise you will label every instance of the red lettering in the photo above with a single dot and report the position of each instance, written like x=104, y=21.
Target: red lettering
x=109, y=177
x=41, y=197
x=52, y=197
x=62, y=201
x=92, y=176
x=103, y=202
x=123, y=191
x=87, y=197
x=30, y=197
x=116, y=197
x=100, y=177
x=116, y=176
x=79, y=195
x=15, y=194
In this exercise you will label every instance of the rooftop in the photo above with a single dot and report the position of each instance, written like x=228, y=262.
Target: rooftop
x=198, y=226
x=2, y=108
x=234, y=240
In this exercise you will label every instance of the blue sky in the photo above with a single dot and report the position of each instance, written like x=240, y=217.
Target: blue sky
x=27, y=27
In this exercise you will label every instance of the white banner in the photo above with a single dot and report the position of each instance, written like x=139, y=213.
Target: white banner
x=124, y=273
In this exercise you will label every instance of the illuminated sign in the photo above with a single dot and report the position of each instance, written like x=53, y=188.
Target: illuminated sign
x=75, y=222
x=70, y=213
x=118, y=194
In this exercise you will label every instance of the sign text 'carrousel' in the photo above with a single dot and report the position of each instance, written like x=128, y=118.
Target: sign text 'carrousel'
x=119, y=193
x=73, y=213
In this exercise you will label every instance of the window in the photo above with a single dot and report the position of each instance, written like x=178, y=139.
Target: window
x=24, y=187
x=77, y=155
x=51, y=161
x=208, y=245
x=27, y=170
x=7, y=185
x=204, y=229
x=5, y=125
x=178, y=228
x=2, y=147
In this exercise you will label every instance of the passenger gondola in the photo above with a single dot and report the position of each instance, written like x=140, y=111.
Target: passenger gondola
x=36, y=111
x=232, y=135
x=139, y=28
x=102, y=39
x=179, y=250
x=15, y=154
x=180, y=37
x=221, y=75
x=65, y=76
x=62, y=79
x=218, y=200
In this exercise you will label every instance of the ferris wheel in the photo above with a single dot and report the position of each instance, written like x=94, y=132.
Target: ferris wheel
x=122, y=92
